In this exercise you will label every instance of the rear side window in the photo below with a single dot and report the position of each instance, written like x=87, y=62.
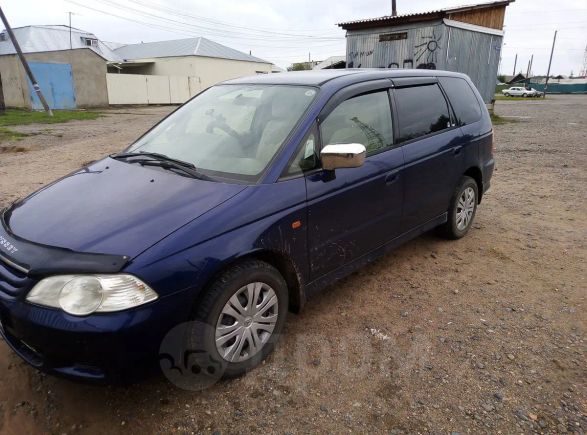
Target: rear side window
x=421, y=110
x=365, y=119
x=463, y=100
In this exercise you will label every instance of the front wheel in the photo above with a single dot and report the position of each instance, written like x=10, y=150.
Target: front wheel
x=462, y=209
x=524, y=95
x=243, y=312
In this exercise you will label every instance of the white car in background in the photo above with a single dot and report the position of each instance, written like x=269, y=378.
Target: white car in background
x=518, y=91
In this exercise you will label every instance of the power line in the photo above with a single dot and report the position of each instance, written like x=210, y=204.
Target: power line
x=182, y=14
x=215, y=31
x=183, y=31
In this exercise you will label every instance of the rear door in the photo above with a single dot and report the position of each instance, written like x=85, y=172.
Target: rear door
x=432, y=144
x=353, y=211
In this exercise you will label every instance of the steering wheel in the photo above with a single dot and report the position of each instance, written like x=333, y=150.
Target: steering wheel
x=219, y=122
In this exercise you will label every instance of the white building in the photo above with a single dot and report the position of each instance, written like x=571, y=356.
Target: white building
x=206, y=61
x=75, y=69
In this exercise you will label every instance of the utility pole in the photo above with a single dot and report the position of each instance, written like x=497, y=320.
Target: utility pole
x=25, y=65
x=70, y=43
x=584, y=69
x=2, y=104
x=529, y=67
x=515, y=64
x=393, y=8
x=550, y=63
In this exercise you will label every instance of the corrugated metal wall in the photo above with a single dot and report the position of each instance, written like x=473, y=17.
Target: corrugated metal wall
x=432, y=46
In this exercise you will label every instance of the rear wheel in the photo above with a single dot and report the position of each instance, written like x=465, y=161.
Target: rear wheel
x=244, y=312
x=524, y=95
x=462, y=209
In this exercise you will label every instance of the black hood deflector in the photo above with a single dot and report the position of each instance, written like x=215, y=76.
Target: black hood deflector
x=38, y=260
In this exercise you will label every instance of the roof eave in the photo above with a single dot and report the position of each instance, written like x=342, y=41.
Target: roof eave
x=391, y=21
x=418, y=17
x=495, y=4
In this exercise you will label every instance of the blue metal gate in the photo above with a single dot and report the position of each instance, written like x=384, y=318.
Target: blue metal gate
x=56, y=82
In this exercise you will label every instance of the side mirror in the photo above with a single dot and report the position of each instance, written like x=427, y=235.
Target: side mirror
x=349, y=155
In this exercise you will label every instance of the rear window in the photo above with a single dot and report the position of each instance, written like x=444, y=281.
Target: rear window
x=463, y=99
x=421, y=110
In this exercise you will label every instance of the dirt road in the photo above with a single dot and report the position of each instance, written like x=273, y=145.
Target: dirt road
x=486, y=334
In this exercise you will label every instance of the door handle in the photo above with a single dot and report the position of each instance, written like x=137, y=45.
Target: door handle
x=457, y=150
x=391, y=178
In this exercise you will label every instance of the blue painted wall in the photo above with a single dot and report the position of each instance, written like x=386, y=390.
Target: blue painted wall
x=56, y=82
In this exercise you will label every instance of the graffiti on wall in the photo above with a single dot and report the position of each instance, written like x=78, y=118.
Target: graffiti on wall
x=426, y=51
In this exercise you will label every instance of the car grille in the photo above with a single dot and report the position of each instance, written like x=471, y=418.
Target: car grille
x=13, y=282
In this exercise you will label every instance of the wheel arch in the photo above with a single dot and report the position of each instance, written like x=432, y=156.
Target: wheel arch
x=475, y=173
x=284, y=265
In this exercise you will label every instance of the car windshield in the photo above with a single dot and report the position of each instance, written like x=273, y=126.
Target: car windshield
x=230, y=131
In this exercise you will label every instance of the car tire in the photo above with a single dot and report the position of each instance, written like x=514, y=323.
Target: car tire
x=462, y=210
x=525, y=95
x=506, y=94
x=209, y=316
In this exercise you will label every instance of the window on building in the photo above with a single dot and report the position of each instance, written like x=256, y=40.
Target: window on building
x=421, y=110
x=365, y=119
x=463, y=100
x=90, y=42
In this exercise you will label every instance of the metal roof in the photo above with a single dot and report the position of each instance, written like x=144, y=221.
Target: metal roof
x=332, y=60
x=437, y=13
x=34, y=39
x=183, y=47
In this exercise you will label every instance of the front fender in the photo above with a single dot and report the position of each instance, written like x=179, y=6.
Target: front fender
x=258, y=220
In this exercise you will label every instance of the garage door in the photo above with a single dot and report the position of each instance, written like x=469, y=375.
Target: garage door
x=56, y=82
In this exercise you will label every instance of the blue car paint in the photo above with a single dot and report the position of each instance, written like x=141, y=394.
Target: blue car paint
x=181, y=232
x=125, y=208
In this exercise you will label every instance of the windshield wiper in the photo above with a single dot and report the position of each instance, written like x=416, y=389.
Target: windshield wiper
x=156, y=156
x=165, y=162
x=170, y=165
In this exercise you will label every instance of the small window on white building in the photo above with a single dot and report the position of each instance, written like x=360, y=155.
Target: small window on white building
x=3, y=36
x=90, y=42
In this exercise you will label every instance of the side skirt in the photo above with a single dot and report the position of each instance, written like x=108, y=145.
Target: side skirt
x=315, y=286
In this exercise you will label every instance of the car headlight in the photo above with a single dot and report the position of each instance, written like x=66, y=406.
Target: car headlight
x=81, y=295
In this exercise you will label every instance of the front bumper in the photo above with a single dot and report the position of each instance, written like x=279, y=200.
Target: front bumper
x=105, y=348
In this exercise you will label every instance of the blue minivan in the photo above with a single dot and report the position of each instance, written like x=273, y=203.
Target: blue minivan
x=234, y=210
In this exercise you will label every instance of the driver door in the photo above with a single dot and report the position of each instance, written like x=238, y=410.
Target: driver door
x=353, y=211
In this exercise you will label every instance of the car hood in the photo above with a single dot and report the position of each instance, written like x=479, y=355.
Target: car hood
x=114, y=207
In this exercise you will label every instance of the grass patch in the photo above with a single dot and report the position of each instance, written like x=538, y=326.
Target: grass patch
x=498, y=120
x=504, y=98
x=23, y=117
x=10, y=135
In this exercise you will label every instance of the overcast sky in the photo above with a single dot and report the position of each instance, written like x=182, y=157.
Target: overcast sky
x=285, y=31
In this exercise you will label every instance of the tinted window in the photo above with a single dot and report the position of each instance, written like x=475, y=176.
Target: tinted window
x=421, y=110
x=365, y=119
x=464, y=102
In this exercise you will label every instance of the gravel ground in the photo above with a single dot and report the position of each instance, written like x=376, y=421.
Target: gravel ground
x=485, y=334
